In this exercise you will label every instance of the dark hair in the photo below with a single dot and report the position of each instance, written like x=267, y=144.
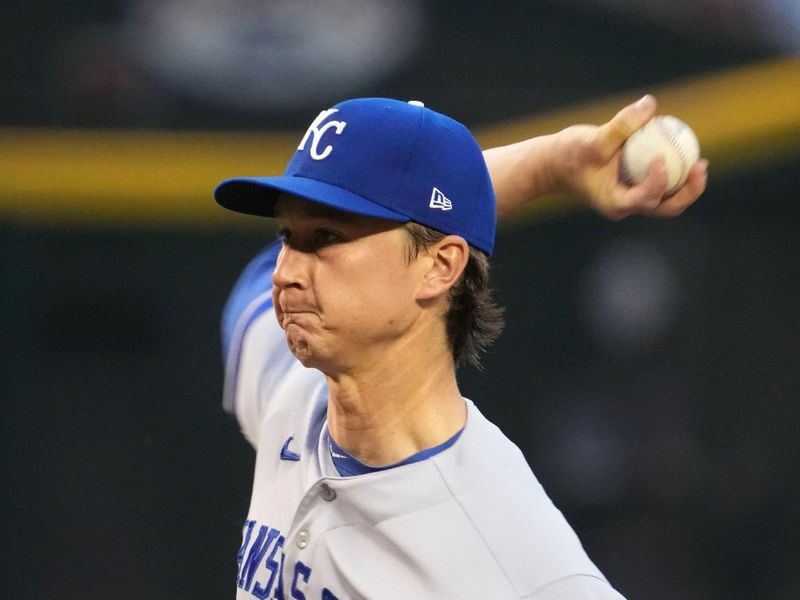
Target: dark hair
x=474, y=320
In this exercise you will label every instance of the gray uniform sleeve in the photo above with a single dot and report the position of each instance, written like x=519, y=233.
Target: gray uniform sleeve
x=259, y=369
x=576, y=587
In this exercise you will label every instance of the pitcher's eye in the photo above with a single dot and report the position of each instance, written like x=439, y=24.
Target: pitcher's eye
x=310, y=240
x=326, y=237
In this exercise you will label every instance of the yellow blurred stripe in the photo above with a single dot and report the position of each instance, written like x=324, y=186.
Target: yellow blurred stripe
x=741, y=116
x=159, y=178
x=128, y=176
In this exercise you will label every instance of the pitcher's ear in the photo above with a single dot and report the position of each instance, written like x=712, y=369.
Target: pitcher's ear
x=448, y=259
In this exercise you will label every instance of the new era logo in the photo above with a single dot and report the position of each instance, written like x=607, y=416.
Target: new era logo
x=440, y=201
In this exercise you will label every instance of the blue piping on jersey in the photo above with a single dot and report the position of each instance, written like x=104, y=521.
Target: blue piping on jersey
x=257, y=308
x=255, y=279
x=250, y=297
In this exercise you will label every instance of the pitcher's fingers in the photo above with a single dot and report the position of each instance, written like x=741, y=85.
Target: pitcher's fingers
x=627, y=121
x=686, y=196
x=645, y=196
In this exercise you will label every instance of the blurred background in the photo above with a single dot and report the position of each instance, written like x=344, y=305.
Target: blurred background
x=650, y=370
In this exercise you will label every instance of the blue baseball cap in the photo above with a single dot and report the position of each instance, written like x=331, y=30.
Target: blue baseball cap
x=383, y=158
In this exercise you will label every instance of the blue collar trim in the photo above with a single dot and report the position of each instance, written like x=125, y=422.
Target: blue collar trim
x=347, y=465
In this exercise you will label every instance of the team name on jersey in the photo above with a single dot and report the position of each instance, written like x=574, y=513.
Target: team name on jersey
x=261, y=568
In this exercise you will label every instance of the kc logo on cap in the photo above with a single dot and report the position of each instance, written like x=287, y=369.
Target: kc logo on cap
x=317, y=130
x=386, y=159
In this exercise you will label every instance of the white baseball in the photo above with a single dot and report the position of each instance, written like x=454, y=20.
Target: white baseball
x=666, y=136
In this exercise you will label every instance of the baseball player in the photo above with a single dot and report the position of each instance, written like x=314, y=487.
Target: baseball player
x=374, y=477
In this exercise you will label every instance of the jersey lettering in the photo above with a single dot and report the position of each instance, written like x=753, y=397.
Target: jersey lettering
x=256, y=555
x=278, y=595
x=300, y=570
x=316, y=130
x=261, y=572
x=273, y=566
x=248, y=531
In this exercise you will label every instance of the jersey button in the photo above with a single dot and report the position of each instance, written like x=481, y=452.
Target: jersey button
x=327, y=492
x=302, y=539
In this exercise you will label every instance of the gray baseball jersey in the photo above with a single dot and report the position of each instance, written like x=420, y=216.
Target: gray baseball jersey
x=471, y=521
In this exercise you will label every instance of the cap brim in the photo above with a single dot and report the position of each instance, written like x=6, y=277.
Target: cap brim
x=258, y=195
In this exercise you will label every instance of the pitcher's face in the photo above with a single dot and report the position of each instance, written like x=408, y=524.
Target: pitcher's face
x=343, y=288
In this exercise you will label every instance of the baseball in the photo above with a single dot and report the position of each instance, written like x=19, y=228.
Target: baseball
x=663, y=135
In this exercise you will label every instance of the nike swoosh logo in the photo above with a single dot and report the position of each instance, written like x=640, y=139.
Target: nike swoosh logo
x=287, y=454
